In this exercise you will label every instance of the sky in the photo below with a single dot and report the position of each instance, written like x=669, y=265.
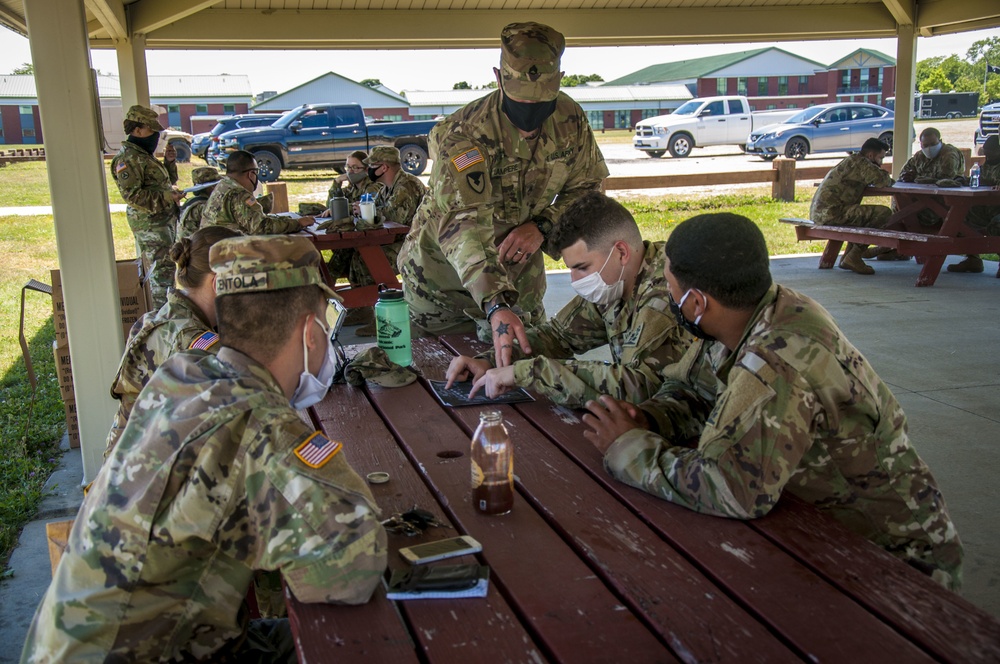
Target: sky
x=440, y=70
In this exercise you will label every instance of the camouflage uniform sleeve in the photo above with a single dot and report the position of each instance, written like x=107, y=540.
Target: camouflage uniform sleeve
x=751, y=444
x=402, y=204
x=952, y=163
x=909, y=168
x=249, y=215
x=171, y=167
x=129, y=175
x=573, y=383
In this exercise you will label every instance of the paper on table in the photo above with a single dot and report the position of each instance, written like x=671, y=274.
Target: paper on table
x=458, y=395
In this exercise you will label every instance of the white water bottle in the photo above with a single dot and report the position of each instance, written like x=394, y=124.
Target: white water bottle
x=974, y=176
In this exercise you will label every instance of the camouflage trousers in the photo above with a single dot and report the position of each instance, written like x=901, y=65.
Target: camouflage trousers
x=985, y=219
x=925, y=217
x=865, y=216
x=441, y=306
x=153, y=242
x=349, y=263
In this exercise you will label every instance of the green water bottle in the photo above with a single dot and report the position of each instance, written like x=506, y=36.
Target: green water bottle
x=392, y=322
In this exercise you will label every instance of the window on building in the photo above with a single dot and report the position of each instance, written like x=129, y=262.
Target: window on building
x=200, y=109
x=864, y=78
x=623, y=119
x=25, y=110
x=392, y=118
x=721, y=85
x=803, y=83
x=782, y=85
x=596, y=119
x=881, y=72
x=424, y=117
x=228, y=108
x=771, y=107
x=741, y=85
x=761, y=86
x=791, y=106
x=845, y=78
x=651, y=113
x=28, y=133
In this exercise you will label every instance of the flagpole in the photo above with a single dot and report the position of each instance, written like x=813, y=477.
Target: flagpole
x=985, y=74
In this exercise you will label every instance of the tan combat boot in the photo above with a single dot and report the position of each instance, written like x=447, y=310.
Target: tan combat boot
x=972, y=264
x=852, y=260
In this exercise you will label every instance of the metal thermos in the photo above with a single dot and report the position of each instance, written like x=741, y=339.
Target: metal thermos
x=392, y=324
x=339, y=208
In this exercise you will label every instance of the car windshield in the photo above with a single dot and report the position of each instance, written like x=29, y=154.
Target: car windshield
x=287, y=119
x=688, y=108
x=805, y=115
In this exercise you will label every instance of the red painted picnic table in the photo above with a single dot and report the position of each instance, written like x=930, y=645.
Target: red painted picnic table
x=586, y=569
x=369, y=245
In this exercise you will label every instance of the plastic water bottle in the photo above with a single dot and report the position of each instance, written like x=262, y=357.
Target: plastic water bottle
x=392, y=325
x=492, y=461
x=974, y=176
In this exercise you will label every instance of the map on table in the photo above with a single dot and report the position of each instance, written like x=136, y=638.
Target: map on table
x=458, y=395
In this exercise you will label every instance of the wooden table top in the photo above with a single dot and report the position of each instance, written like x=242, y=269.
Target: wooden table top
x=585, y=569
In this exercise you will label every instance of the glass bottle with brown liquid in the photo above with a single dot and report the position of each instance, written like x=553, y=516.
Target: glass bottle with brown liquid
x=492, y=465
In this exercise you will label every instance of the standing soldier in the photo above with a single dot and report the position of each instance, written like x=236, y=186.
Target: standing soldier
x=204, y=180
x=146, y=184
x=505, y=168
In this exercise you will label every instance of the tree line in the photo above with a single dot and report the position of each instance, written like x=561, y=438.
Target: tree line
x=957, y=74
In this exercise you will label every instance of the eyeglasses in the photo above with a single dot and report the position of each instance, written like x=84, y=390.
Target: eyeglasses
x=356, y=169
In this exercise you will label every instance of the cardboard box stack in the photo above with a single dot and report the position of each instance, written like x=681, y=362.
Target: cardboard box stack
x=134, y=303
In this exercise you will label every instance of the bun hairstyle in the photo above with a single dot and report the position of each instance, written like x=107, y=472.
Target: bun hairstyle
x=190, y=255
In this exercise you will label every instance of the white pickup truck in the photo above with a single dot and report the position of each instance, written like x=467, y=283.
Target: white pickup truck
x=701, y=122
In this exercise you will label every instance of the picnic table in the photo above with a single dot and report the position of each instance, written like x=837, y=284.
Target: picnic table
x=368, y=244
x=931, y=245
x=586, y=569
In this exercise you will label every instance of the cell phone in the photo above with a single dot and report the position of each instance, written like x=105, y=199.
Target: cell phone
x=446, y=548
x=336, y=314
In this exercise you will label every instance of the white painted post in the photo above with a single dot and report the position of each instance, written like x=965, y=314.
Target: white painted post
x=132, y=71
x=906, y=75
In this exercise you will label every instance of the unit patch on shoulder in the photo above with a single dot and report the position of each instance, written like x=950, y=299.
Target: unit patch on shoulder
x=317, y=450
x=204, y=341
x=477, y=181
x=466, y=159
x=631, y=338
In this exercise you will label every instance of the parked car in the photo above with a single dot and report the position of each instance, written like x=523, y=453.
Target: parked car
x=841, y=127
x=202, y=142
x=323, y=135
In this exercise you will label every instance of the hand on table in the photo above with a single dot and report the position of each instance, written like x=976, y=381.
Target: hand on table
x=306, y=221
x=609, y=418
x=494, y=382
x=462, y=367
x=521, y=243
x=506, y=327
x=325, y=213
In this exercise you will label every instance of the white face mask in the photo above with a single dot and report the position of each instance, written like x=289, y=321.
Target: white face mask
x=593, y=289
x=931, y=151
x=311, y=389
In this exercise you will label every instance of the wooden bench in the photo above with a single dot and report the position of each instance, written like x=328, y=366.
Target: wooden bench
x=909, y=244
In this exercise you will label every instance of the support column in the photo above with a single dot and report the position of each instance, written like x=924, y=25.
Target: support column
x=67, y=101
x=132, y=71
x=906, y=75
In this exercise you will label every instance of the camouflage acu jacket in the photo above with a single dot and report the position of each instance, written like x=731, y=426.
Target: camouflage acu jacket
x=949, y=163
x=795, y=407
x=352, y=192
x=146, y=184
x=398, y=203
x=207, y=484
x=190, y=219
x=642, y=334
x=177, y=326
x=486, y=181
x=844, y=186
x=232, y=206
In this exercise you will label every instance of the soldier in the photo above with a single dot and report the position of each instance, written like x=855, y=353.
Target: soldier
x=233, y=205
x=772, y=399
x=185, y=322
x=217, y=476
x=838, y=199
x=621, y=301
x=204, y=180
x=353, y=182
x=146, y=184
x=984, y=218
x=505, y=168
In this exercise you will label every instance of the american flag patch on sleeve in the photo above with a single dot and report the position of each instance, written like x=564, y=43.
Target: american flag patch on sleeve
x=121, y=167
x=204, y=341
x=317, y=450
x=466, y=159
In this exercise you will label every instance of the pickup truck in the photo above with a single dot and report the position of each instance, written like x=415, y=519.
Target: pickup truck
x=323, y=135
x=989, y=125
x=701, y=122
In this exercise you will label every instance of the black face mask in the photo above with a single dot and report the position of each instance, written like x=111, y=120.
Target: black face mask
x=148, y=144
x=371, y=173
x=527, y=116
x=693, y=328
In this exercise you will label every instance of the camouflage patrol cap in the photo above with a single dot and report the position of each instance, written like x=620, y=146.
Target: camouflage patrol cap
x=205, y=175
x=382, y=154
x=529, y=61
x=373, y=365
x=255, y=263
x=144, y=116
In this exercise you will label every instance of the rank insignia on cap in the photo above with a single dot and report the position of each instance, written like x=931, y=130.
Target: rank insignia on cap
x=317, y=450
x=204, y=341
x=466, y=159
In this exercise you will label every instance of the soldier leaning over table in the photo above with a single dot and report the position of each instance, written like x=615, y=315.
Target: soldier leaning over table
x=772, y=398
x=216, y=477
x=838, y=199
x=984, y=218
x=192, y=209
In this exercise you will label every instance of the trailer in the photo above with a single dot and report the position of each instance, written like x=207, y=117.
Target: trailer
x=936, y=104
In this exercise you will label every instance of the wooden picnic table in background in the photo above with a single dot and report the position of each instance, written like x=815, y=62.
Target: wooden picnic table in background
x=586, y=569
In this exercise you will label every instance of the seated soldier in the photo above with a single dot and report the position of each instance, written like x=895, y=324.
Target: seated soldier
x=217, y=476
x=203, y=180
x=772, y=399
x=838, y=199
x=984, y=218
x=234, y=206
x=353, y=182
x=628, y=311
x=187, y=321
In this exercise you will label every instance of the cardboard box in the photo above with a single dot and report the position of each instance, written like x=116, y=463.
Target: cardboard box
x=57, y=534
x=64, y=370
x=132, y=293
x=72, y=423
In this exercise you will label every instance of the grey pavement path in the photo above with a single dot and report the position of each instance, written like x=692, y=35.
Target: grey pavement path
x=937, y=348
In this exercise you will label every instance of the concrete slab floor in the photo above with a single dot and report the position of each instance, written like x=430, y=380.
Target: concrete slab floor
x=938, y=348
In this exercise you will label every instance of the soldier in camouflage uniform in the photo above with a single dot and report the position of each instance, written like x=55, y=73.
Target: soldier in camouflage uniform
x=838, y=199
x=146, y=184
x=984, y=218
x=781, y=401
x=185, y=322
x=596, y=236
x=505, y=168
x=353, y=182
x=204, y=179
x=234, y=206
x=216, y=476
